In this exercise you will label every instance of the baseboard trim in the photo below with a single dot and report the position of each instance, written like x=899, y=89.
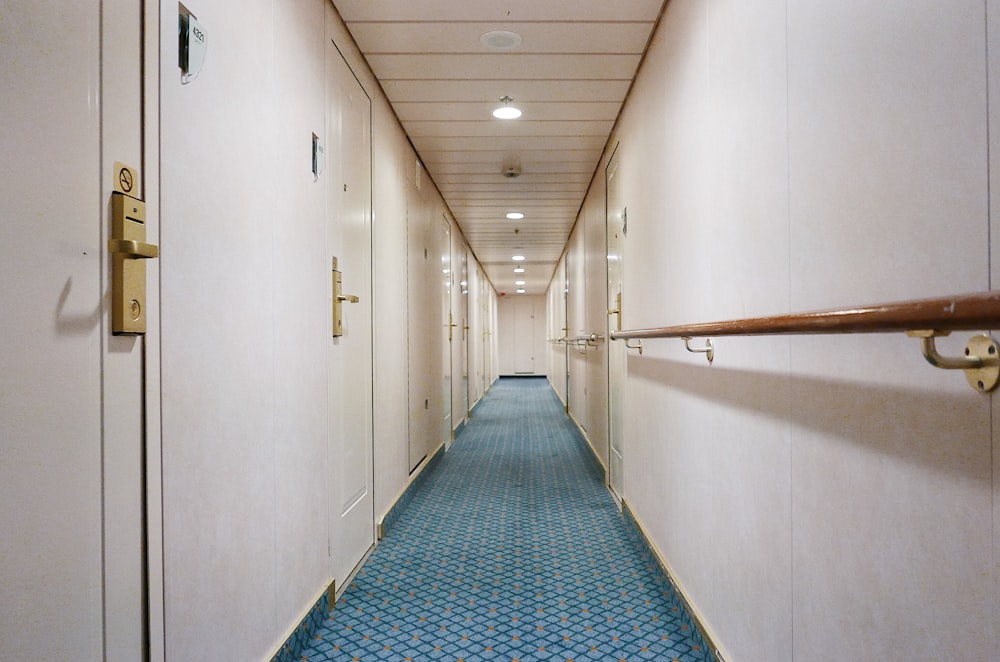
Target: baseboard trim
x=392, y=514
x=696, y=620
x=298, y=636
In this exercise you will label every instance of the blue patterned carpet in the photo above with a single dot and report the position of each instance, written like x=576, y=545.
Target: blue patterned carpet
x=511, y=550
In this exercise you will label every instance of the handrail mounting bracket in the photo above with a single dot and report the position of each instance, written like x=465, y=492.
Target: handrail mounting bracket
x=708, y=350
x=981, y=362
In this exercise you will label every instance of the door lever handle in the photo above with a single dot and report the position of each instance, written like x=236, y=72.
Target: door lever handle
x=617, y=311
x=133, y=250
x=350, y=298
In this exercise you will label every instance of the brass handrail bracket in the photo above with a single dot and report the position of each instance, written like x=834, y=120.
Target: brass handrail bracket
x=707, y=350
x=638, y=347
x=981, y=362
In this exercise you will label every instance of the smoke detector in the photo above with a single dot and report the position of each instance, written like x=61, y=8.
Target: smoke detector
x=511, y=170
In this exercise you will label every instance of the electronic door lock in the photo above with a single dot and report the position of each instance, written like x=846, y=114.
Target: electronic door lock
x=129, y=251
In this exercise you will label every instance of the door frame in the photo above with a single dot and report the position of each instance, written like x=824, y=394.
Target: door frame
x=130, y=365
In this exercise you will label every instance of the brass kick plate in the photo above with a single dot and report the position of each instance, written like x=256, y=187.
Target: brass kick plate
x=129, y=251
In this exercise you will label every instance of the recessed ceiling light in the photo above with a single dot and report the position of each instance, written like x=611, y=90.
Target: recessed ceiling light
x=500, y=40
x=520, y=291
x=517, y=258
x=519, y=282
x=519, y=270
x=515, y=215
x=506, y=111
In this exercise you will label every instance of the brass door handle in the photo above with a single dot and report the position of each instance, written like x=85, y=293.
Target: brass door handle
x=350, y=298
x=617, y=311
x=133, y=250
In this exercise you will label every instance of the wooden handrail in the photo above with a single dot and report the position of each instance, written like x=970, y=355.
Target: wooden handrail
x=966, y=312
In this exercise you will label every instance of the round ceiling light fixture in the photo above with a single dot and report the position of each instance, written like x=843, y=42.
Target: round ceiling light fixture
x=515, y=215
x=520, y=291
x=517, y=258
x=506, y=111
x=500, y=40
x=519, y=282
x=519, y=270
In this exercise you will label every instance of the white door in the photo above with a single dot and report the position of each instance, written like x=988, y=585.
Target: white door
x=448, y=326
x=349, y=239
x=617, y=352
x=565, y=329
x=524, y=338
x=73, y=399
x=464, y=312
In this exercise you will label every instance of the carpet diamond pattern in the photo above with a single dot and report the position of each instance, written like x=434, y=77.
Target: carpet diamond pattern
x=512, y=549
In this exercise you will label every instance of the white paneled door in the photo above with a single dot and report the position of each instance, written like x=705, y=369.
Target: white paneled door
x=464, y=312
x=73, y=397
x=448, y=323
x=349, y=240
x=617, y=352
x=524, y=338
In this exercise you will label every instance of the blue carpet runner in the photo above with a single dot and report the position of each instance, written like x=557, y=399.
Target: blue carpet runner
x=512, y=550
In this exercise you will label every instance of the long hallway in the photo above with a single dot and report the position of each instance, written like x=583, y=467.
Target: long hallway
x=512, y=549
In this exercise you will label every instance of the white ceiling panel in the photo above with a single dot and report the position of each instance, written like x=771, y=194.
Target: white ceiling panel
x=464, y=37
x=399, y=66
x=462, y=111
x=568, y=72
x=490, y=143
x=490, y=10
x=493, y=190
x=500, y=129
x=550, y=157
x=451, y=91
x=579, y=169
x=490, y=180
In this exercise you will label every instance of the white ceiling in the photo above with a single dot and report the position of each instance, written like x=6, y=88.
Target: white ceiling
x=569, y=76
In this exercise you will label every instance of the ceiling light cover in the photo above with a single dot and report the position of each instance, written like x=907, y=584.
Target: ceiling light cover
x=520, y=291
x=519, y=282
x=506, y=111
x=519, y=270
x=517, y=258
x=500, y=40
x=515, y=215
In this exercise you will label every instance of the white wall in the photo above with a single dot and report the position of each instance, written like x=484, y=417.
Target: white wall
x=246, y=480
x=510, y=345
x=244, y=396
x=247, y=477
x=819, y=498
